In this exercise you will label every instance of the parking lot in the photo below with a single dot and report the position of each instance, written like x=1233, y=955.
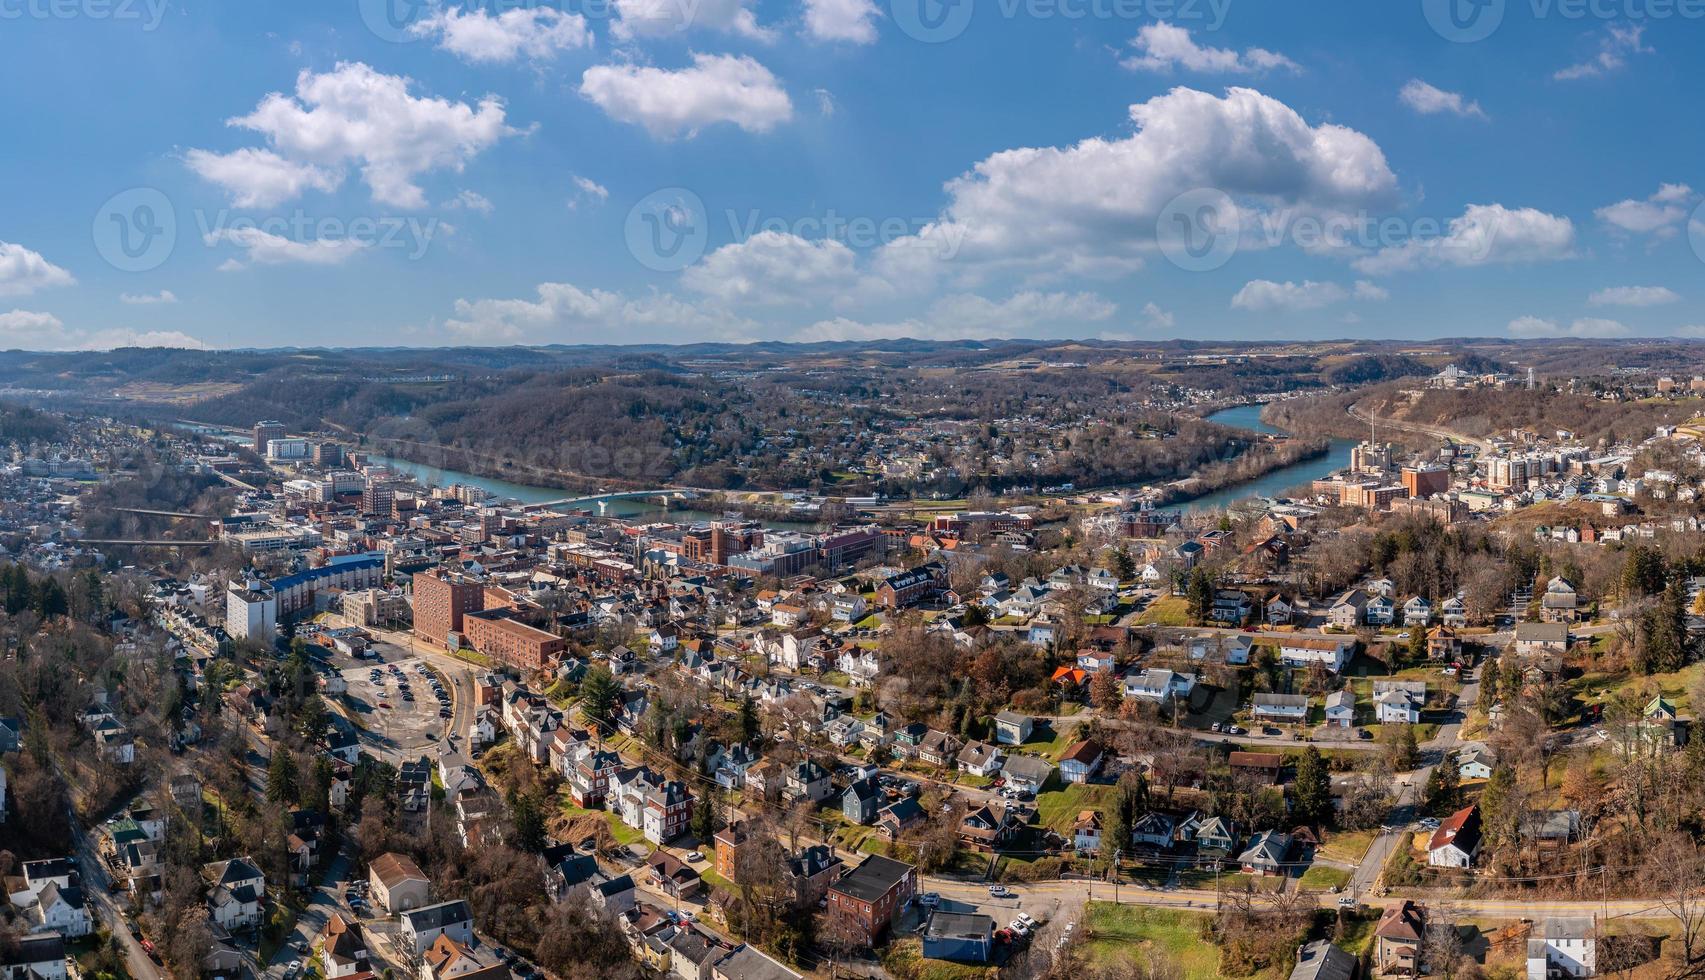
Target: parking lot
x=402, y=706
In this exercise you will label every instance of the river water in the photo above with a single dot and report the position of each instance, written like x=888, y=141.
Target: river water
x=1277, y=482
x=1242, y=417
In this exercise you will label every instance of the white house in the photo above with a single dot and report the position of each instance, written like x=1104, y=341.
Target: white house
x=1399, y=702
x=1567, y=946
x=1417, y=611
x=1301, y=651
x=1157, y=684
x=1457, y=841
x=420, y=927
x=1341, y=709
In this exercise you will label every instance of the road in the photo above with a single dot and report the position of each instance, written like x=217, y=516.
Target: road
x=1436, y=431
x=322, y=902
x=97, y=888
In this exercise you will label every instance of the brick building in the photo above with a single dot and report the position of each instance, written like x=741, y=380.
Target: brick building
x=441, y=599
x=873, y=892
x=496, y=633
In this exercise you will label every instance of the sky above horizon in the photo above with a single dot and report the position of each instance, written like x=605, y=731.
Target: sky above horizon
x=403, y=172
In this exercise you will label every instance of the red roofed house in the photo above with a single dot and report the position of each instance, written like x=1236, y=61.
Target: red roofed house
x=1457, y=840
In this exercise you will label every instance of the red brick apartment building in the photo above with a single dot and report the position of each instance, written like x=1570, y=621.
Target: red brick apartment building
x=873, y=892
x=494, y=633
x=441, y=599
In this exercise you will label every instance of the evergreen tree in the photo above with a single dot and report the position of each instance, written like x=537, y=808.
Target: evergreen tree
x=707, y=818
x=1488, y=687
x=1444, y=786
x=50, y=600
x=529, y=819
x=281, y=784
x=1312, y=800
x=749, y=724
x=600, y=695
x=1199, y=594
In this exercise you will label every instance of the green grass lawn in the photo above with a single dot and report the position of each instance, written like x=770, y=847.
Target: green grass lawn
x=1167, y=611
x=1320, y=877
x=1348, y=846
x=1058, y=809
x=1061, y=736
x=1119, y=931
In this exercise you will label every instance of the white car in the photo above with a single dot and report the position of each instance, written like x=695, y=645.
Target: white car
x=998, y=891
x=1025, y=918
x=695, y=856
x=1018, y=926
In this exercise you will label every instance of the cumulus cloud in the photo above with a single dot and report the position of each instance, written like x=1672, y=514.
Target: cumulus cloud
x=23, y=271
x=1092, y=208
x=657, y=18
x=1660, y=215
x=1532, y=326
x=561, y=308
x=1620, y=41
x=352, y=115
x=669, y=104
x=161, y=298
x=28, y=330
x=1156, y=318
x=1264, y=296
x=1633, y=296
x=774, y=268
x=262, y=247
x=964, y=314
x=1486, y=234
x=1430, y=101
x=478, y=37
x=260, y=178
x=1164, y=47
x=853, y=21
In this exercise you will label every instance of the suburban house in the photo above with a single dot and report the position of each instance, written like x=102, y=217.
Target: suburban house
x=343, y=949
x=1560, y=603
x=236, y=893
x=898, y=817
x=861, y=800
x=1320, y=960
x=1086, y=832
x=397, y=883
x=1399, y=939
x=1157, y=684
x=1475, y=761
x=1417, y=612
x=1216, y=838
x=1082, y=761
x=1539, y=639
x=1266, y=854
x=1330, y=651
x=870, y=894
x=1026, y=773
x=1346, y=612
x=421, y=927
x=1399, y=702
x=1292, y=708
x=1566, y=946
x=1012, y=728
x=979, y=759
x=1341, y=709
x=1457, y=840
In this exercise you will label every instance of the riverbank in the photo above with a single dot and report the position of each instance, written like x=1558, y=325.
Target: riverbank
x=1258, y=464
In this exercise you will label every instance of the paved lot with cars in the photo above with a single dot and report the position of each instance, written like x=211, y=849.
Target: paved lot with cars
x=403, y=707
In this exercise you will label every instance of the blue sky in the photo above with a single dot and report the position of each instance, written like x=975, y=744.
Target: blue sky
x=622, y=171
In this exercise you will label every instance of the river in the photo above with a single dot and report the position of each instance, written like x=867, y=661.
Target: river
x=1246, y=417
x=1277, y=482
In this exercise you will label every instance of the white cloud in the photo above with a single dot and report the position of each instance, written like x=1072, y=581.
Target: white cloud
x=841, y=20
x=1633, y=296
x=970, y=317
x=1486, y=234
x=261, y=247
x=1660, y=215
x=1262, y=295
x=825, y=102
x=562, y=307
x=23, y=271
x=1428, y=101
x=1092, y=208
x=161, y=298
x=592, y=188
x=1156, y=318
x=1163, y=47
x=260, y=178
x=657, y=18
x=716, y=89
x=352, y=115
x=26, y=330
x=1530, y=326
x=471, y=201
x=774, y=268
x=1621, y=40
x=477, y=37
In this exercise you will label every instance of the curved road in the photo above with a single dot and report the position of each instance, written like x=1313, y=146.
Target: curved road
x=1422, y=428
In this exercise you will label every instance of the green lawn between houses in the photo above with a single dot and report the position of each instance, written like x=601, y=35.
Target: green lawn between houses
x=1116, y=932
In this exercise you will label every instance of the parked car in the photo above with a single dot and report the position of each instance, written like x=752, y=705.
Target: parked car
x=695, y=856
x=929, y=900
x=999, y=891
x=1019, y=927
